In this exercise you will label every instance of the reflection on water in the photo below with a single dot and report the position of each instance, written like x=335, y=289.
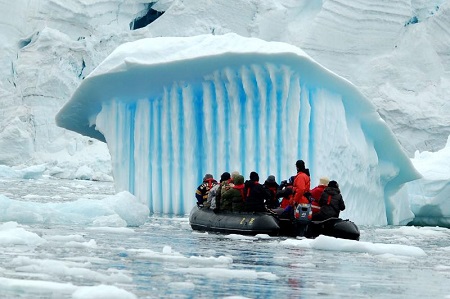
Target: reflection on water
x=166, y=259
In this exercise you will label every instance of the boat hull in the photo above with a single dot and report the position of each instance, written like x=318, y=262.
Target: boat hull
x=204, y=219
x=248, y=223
x=333, y=227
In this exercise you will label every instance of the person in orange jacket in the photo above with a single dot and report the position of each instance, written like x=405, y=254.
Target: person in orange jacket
x=301, y=184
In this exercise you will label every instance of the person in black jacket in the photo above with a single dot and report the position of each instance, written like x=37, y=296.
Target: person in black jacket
x=272, y=186
x=331, y=203
x=256, y=194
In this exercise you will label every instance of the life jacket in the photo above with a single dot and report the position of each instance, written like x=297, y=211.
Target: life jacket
x=273, y=188
x=249, y=188
x=209, y=184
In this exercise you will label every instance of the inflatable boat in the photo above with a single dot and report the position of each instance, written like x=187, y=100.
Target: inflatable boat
x=270, y=223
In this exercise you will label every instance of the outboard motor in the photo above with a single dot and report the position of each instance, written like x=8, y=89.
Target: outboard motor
x=302, y=215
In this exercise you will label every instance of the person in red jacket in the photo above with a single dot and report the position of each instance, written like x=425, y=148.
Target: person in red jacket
x=301, y=184
x=316, y=193
x=331, y=202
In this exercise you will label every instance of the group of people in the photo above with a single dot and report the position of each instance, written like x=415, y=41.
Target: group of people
x=234, y=193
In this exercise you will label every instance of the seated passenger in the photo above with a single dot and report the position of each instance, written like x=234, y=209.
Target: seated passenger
x=215, y=193
x=316, y=193
x=256, y=194
x=233, y=199
x=286, y=191
x=331, y=203
x=272, y=186
x=201, y=194
x=287, y=205
x=228, y=184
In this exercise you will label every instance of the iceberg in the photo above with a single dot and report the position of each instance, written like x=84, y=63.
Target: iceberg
x=428, y=196
x=174, y=108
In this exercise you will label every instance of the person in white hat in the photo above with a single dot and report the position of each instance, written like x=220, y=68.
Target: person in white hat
x=316, y=193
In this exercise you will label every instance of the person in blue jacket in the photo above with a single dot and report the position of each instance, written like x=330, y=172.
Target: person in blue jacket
x=201, y=194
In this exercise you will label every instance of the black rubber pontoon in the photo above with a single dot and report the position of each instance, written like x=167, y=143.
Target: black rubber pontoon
x=333, y=227
x=205, y=219
x=248, y=223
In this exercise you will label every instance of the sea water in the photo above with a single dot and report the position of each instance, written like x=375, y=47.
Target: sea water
x=165, y=258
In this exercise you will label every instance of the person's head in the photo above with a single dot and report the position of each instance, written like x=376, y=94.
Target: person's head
x=238, y=179
x=271, y=179
x=208, y=177
x=225, y=177
x=333, y=184
x=234, y=174
x=300, y=164
x=254, y=176
x=324, y=181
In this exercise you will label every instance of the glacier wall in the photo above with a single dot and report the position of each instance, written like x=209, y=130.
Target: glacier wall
x=173, y=109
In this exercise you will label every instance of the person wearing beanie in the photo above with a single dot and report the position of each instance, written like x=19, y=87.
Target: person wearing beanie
x=300, y=164
x=234, y=173
x=272, y=186
x=228, y=183
x=201, y=194
x=316, y=193
x=213, y=201
x=331, y=202
x=301, y=183
x=225, y=176
x=254, y=176
x=256, y=195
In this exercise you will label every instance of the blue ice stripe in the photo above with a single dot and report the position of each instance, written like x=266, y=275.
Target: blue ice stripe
x=226, y=122
x=181, y=146
x=299, y=127
x=159, y=129
x=150, y=156
x=199, y=128
x=170, y=147
x=256, y=110
x=131, y=115
x=214, y=129
x=279, y=124
x=311, y=142
x=242, y=126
